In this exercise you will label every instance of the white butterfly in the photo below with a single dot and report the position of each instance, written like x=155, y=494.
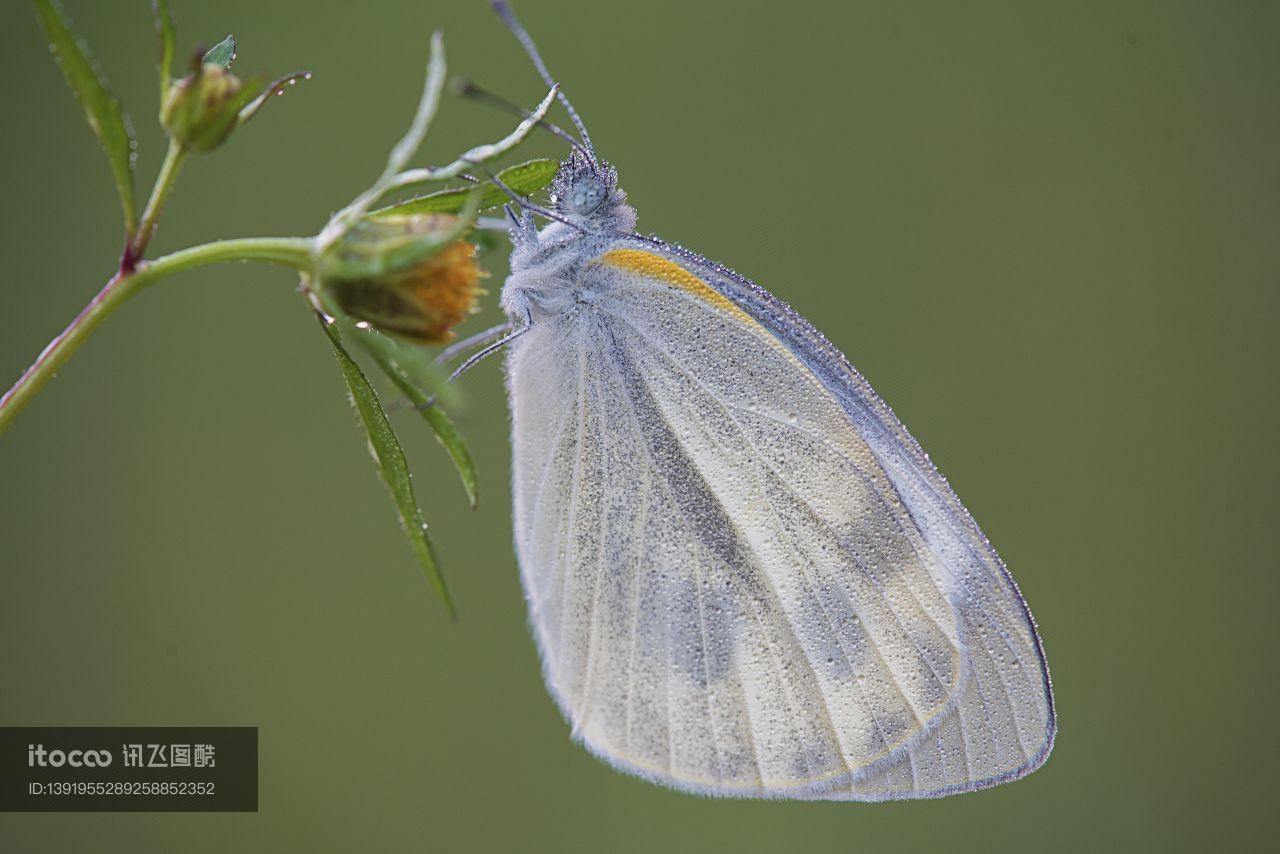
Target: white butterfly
x=744, y=576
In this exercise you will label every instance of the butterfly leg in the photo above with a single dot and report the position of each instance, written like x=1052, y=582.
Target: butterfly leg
x=448, y=354
x=493, y=223
x=494, y=347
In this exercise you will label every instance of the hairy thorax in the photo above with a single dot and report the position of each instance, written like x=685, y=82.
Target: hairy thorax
x=556, y=275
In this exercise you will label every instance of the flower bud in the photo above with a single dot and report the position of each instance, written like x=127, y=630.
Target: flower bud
x=409, y=276
x=203, y=108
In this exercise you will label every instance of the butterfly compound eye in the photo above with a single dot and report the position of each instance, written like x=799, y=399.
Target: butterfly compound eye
x=587, y=195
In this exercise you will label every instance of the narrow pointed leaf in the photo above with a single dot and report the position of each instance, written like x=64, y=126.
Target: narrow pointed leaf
x=477, y=155
x=101, y=108
x=223, y=53
x=427, y=106
x=341, y=222
x=388, y=456
x=395, y=359
x=164, y=32
x=525, y=179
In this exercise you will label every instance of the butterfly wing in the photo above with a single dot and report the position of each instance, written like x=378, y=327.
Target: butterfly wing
x=743, y=575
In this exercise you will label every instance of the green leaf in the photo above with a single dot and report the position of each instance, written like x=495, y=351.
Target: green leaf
x=164, y=32
x=389, y=458
x=525, y=179
x=223, y=53
x=395, y=359
x=101, y=108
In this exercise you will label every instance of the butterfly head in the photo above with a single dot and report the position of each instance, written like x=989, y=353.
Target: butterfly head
x=586, y=193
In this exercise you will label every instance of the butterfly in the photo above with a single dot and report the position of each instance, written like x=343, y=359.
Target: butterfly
x=744, y=576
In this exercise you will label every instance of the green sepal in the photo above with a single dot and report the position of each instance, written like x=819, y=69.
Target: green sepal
x=223, y=53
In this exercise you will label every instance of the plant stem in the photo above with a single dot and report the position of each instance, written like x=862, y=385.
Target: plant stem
x=290, y=251
x=174, y=159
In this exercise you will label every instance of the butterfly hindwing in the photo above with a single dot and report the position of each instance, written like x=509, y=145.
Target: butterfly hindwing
x=741, y=581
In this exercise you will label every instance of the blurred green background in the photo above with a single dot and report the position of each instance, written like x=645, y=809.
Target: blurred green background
x=1049, y=234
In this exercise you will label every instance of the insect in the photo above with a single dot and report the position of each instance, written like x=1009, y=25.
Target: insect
x=744, y=577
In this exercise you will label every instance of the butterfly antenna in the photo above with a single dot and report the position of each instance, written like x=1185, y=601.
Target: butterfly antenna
x=517, y=29
x=466, y=88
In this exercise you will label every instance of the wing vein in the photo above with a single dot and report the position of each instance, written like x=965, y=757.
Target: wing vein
x=666, y=488
x=635, y=607
x=862, y=567
x=706, y=672
x=571, y=516
x=588, y=679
